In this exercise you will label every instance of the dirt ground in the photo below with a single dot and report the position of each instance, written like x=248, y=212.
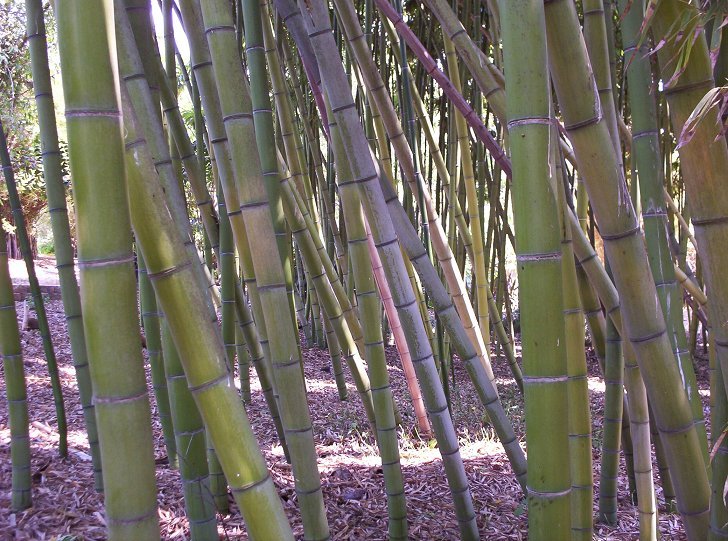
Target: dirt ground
x=65, y=503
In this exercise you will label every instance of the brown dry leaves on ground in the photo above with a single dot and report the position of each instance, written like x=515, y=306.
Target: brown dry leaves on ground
x=65, y=502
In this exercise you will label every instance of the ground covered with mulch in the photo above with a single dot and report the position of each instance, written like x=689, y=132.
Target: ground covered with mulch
x=65, y=503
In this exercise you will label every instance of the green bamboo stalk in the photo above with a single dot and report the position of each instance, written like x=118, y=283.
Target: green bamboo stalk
x=538, y=252
x=463, y=229
x=254, y=328
x=478, y=258
x=12, y=355
x=106, y=261
x=612, y=425
x=314, y=254
x=647, y=166
x=719, y=470
x=152, y=335
x=703, y=164
x=580, y=436
x=132, y=71
x=56, y=197
x=21, y=233
x=198, y=342
x=644, y=326
x=364, y=179
x=444, y=304
x=272, y=283
x=190, y=438
x=369, y=306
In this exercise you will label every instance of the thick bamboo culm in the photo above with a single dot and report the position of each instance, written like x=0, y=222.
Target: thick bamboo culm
x=624, y=247
x=539, y=257
x=105, y=259
x=56, y=196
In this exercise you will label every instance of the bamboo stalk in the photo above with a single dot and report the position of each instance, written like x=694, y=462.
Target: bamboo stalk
x=56, y=197
x=16, y=394
x=644, y=326
x=364, y=178
x=21, y=233
x=93, y=121
x=200, y=348
x=272, y=283
x=538, y=252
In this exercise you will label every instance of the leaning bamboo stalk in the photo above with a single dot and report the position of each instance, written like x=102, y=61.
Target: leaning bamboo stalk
x=446, y=312
x=200, y=348
x=272, y=284
x=463, y=229
x=369, y=307
x=538, y=252
x=399, y=339
x=364, y=179
x=479, y=263
x=647, y=166
x=253, y=325
x=17, y=397
x=21, y=233
x=105, y=257
x=455, y=97
x=313, y=256
x=56, y=197
x=395, y=132
x=703, y=162
x=625, y=249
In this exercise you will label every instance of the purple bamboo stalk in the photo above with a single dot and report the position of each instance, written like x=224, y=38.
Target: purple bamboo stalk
x=450, y=91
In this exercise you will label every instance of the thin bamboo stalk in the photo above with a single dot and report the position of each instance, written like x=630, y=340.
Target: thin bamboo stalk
x=153, y=337
x=190, y=437
x=17, y=397
x=21, y=233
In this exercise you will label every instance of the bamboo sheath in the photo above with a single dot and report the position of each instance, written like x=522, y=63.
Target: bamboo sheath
x=108, y=284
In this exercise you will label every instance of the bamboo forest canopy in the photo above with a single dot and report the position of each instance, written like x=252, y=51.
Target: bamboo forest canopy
x=524, y=198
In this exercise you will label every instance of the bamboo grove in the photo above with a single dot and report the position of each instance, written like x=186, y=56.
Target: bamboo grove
x=360, y=170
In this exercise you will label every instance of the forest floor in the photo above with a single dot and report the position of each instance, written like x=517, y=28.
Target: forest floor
x=65, y=502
